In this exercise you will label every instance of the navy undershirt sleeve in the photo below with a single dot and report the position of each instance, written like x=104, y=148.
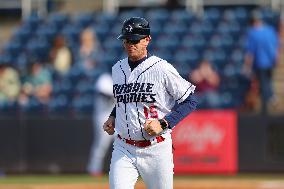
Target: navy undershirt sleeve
x=113, y=112
x=181, y=110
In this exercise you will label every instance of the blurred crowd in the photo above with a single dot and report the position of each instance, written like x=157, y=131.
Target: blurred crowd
x=34, y=83
x=64, y=77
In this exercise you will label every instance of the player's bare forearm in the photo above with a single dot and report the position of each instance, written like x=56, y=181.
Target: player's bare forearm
x=153, y=127
x=109, y=125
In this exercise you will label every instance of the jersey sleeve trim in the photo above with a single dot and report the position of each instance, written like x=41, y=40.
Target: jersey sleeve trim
x=190, y=90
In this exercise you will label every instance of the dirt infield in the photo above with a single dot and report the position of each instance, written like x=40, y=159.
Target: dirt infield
x=179, y=184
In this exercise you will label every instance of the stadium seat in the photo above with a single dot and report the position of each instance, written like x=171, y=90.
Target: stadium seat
x=22, y=34
x=83, y=104
x=59, y=104
x=169, y=42
x=102, y=31
x=228, y=15
x=84, y=19
x=33, y=21
x=157, y=15
x=213, y=15
x=184, y=16
x=47, y=31
x=34, y=106
x=130, y=13
x=175, y=28
x=14, y=47
x=164, y=54
x=195, y=41
x=187, y=58
x=72, y=32
x=21, y=62
x=242, y=15
x=105, y=18
x=59, y=20
x=9, y=108
x=38, y=48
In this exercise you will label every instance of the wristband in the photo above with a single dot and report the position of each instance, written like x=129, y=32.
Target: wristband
x=163, y=124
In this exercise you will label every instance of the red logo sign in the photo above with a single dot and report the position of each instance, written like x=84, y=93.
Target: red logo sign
x=206, y=142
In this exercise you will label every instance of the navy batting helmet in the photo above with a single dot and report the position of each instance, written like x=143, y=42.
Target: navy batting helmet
x=135, y=28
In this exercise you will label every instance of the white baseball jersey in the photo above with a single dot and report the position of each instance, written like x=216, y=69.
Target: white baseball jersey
x=147, y=92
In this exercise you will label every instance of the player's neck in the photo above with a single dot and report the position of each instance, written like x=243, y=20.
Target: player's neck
x=138, y=57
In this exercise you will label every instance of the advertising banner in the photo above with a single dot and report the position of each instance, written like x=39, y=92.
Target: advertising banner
x=206, y=142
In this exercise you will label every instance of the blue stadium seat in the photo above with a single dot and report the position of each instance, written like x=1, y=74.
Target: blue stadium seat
x=215, y=41
x=33, y=21
x=182, y=15
x=158, y=14
x=169, y=42
x=175, y=28
x=48, y=31
x=242, y=15
x=84, y=86
x=213, y=15
x=34, y=106
x=72, y=32
x=240, y=43
x=229, y=15
x=157, y=30
x=115, y=30
x=6, y=58
x=187, y=58
x=105, y=18
x=123, y=15
x=59, y=20
x=229, y=28
x=164, y=54
x=195, y=41
x=9, y=108
x=216, y=56
x=102, y=30
x=227, y=43
x=38, y=48
x=271, y=17
x=111, y=43
x=202, y=28
x=62, y=85
x=13, y=47
x=22, y=34
x=59, y=104
x=75, y=74
x=21, y=62
x=83, y=103
x=237, y=56
x=84, y=19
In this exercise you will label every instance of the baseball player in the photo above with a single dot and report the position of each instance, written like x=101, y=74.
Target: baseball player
x=150, y=99
x=103, y=105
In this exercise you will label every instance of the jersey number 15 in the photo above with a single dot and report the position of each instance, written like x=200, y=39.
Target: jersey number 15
x=151, y=112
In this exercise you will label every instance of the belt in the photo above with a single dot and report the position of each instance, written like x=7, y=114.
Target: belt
x=141, y=143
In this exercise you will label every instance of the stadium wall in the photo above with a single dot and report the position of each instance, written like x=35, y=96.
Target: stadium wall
x=55, y=145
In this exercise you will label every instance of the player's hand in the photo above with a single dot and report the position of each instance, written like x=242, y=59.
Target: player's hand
x=153, y=127
x=109, y=125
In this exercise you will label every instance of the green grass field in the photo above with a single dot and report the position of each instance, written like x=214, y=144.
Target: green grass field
x=241, y=181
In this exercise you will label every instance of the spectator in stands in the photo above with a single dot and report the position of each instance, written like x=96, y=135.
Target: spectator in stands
x=262, y=52
x=60, y=55
x=103, y=105
x=37, y=83
x=89, y=49
x=9, y=83
x=207, y=81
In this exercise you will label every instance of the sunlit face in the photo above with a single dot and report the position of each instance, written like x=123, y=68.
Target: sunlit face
x=136, y=50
